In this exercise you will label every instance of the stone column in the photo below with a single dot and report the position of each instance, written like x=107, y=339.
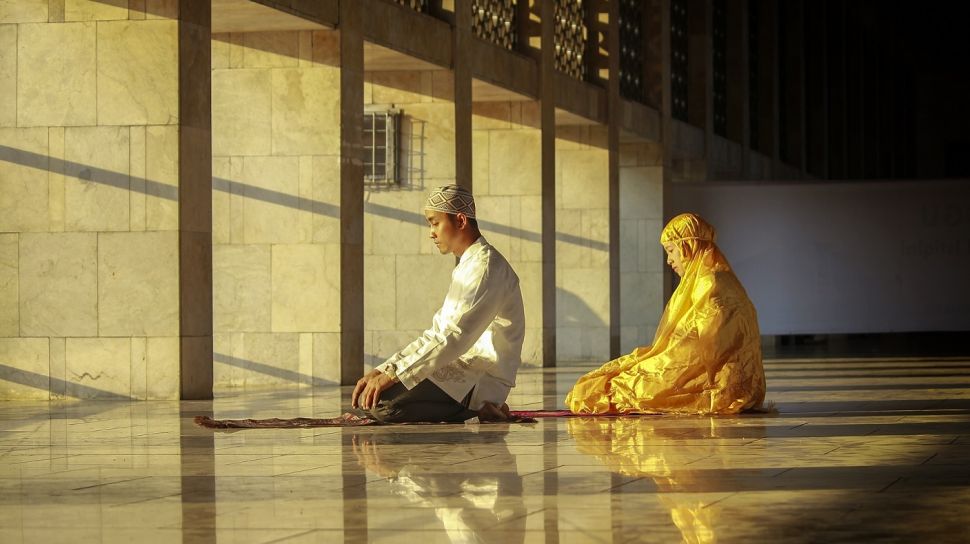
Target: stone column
x=614, y=107
x=463, y=94
x=351, y=194
x=195, y=199
x=547, y=99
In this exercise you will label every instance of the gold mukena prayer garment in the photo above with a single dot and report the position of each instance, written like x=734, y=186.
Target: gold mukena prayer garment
x=706, y=354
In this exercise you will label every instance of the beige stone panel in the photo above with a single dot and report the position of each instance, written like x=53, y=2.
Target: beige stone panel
x=571, y=251
x=236, y=49
x=136, y=169
x=628, y=156
x=596, y=229
x=641, y=192
x=95, y=10
x=326, y=47
x=480, y=162
x=394, y=223
x=162, y=368
x=306, y=288
x=492, y=115
x=400, y=88
x=306, y=359
x=386, y=343
x=271, y=200
x=584, y=180
x=515, y=162
x=629, y=245
x=307, y=205
x=136, y=10
x=162, y=169
x=8, y=73
x=138, y=73
x=162, y=9
x=220, y=53
x=25, y=363
x=270, y=359
x=58, y=284
x=241, y=112
x=651, y=155
x=221, y=207
x=325, y=190
x=271, y=49
x=380, y=292
x=98, y=367
x=495, y=214
x=138, y=284
x=222, y=378
x=432, y=276
x=532, y=347
x=306, y=112
x=58, y=367
x=97, y=184
x=139, y=369
x=24, y=180
x=443, y=85
x=530, y=221
x=55, y=179
x=242, y=297
x=23, y=11
x=237, y=201
x=306, y=48
x=651, y=254
x=573, y=137
x=9, y=285
x=530, y=285
x=530, y=115
x=587, y=295
x=56, y=85
x=640, y=299
x=326, y=357
x=396, y=237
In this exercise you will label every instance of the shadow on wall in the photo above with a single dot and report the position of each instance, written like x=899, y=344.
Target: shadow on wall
x=92, y=174
x=573, y=313
x=55, y=386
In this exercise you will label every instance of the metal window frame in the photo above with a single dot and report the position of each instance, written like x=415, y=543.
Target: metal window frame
x=392, y=130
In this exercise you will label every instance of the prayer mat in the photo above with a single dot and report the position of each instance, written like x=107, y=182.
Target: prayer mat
x=353, y=420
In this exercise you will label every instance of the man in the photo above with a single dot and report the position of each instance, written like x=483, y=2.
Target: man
x=465, y=364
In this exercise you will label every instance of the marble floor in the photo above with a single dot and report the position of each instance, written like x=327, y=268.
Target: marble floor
x=860, y=450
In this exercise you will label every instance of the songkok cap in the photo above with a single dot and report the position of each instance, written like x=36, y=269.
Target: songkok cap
x=452, y=199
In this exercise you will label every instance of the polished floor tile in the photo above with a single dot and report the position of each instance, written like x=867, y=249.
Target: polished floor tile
x=859, y=450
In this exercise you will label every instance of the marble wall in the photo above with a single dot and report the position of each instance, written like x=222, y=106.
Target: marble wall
x=89, y=122
x=582, y=244
x=642, y=258
x=276, y=181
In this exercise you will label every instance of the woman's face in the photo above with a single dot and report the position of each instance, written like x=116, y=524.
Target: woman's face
x=674, y=258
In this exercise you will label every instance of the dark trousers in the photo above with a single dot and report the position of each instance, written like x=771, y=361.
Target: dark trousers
x=425, y=402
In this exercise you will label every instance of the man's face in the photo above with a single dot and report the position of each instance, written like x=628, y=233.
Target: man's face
x=674, y=258
x=444, y=230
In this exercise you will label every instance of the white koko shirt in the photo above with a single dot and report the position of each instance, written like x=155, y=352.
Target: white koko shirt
x=475, y=340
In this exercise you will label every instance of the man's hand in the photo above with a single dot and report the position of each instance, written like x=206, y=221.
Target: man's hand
x=361, y=384
x=369, y=388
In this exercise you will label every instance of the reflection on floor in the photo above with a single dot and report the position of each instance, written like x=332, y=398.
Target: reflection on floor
x=860, y=450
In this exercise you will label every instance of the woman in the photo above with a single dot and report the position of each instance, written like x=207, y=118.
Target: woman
x=706, y=354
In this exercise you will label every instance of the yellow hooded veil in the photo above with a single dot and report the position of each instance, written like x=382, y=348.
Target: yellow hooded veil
x=706, y=354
